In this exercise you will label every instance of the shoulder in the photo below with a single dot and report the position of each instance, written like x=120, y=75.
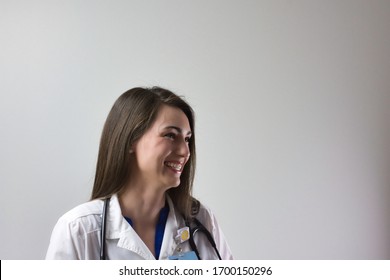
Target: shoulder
x=204, y=210
x=209, y=221
x=206, y=216
x=86, y=214
x=92, y=207
x=75, y=231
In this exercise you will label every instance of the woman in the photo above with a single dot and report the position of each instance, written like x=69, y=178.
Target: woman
x=141, y=205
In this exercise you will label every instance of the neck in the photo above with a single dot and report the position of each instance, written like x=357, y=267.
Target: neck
x=141, y=204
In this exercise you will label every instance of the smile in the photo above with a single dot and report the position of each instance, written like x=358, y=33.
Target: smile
x=175, y=166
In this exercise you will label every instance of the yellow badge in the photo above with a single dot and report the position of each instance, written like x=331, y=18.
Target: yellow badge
x=185, y=235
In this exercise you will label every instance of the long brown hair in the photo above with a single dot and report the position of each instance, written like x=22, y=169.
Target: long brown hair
x=131, y=115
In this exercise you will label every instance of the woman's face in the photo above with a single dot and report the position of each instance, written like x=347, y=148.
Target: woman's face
x=161, y=153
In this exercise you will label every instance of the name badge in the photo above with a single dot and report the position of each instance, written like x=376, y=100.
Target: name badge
x=184, y=256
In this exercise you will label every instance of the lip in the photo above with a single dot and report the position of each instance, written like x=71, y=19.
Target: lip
x=182, y=163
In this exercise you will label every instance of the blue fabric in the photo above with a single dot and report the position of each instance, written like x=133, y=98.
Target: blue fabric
x=129, y=221
x=162, y=220
x=160, y=228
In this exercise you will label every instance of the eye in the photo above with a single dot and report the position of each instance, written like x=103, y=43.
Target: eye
x=187, y=139
x=170, y=136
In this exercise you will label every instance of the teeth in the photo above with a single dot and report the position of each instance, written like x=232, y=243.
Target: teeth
x=176, y=166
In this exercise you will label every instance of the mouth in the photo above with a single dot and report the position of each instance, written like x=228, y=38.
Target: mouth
x=175, y=166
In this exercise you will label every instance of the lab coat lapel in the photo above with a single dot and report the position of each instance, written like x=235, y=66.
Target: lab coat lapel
x=119, y=228
x=169, y=245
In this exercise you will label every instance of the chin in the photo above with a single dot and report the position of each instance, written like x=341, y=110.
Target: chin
x=173, y=184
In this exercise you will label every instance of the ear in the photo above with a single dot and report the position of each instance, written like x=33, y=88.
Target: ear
x=133, y=147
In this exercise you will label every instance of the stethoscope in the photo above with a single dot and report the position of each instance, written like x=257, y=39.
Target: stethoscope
x=199, y=227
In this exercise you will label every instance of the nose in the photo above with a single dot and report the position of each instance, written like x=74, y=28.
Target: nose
x=182, y=148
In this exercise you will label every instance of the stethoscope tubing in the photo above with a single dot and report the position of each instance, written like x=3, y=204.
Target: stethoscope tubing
x=201, y=228
x=103, y=230
x=198, y=228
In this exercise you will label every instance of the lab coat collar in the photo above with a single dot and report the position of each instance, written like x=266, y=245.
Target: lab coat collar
x=119, y=228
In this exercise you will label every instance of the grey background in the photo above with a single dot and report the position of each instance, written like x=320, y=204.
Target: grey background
x=292, y=103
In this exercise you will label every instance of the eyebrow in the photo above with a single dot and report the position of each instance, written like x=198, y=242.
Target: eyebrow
x=178, y=129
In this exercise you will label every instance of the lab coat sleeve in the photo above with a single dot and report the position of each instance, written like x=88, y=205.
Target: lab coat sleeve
x=221, y=242
x=66, y=241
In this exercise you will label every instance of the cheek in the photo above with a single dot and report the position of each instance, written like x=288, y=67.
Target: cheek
x=151, y=158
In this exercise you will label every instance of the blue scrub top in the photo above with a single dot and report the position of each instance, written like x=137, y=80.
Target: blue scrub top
x=162, y=220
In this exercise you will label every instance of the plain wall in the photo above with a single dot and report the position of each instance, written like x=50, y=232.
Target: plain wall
x=292, y=103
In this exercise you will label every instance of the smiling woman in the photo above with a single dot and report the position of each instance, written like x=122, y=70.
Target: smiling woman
x=161, y=154
x=141, y=205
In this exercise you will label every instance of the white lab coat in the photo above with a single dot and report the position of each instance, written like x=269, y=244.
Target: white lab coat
x=77, y=235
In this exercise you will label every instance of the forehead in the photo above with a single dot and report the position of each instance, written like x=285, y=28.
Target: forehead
x=171, y=116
